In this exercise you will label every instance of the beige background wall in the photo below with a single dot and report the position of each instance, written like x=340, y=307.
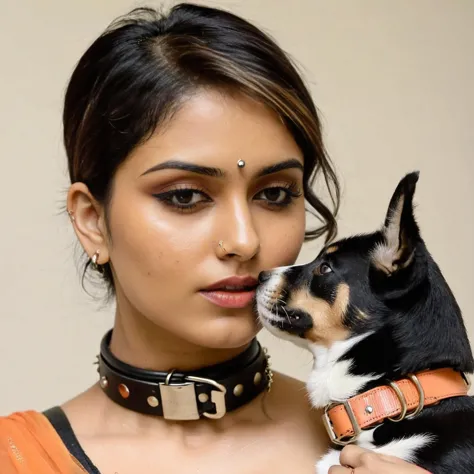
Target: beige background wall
x=395, y=85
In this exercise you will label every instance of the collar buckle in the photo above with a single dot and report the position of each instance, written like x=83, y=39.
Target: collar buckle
x=329, y=428
x=217, y=396
x=179, y=400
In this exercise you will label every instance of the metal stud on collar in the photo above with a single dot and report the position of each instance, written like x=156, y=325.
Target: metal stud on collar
x=268, y=370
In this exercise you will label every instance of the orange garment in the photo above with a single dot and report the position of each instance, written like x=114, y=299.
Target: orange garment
x=30, y=445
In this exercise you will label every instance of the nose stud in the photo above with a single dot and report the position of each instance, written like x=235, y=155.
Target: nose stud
x=241, y=163
x=221, y=245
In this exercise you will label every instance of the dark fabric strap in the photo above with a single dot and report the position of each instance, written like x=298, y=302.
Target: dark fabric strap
x=60, y=423
x=174, y=394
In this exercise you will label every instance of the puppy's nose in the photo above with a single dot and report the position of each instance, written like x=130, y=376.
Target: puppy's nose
x=264, y=276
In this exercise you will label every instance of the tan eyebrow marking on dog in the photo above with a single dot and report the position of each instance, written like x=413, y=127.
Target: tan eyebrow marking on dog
x=332, y=249
x=328, y=318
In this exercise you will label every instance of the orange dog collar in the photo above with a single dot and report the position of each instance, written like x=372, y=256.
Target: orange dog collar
x=396, y=401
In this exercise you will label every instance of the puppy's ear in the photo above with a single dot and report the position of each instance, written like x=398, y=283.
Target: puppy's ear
x=400, y=231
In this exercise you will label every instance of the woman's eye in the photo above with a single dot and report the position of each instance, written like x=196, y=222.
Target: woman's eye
x=323, y=269
x=278, y=195
x=183, y=199
x=275, y=194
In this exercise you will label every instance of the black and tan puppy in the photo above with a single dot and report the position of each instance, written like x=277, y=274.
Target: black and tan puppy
x=374, y=309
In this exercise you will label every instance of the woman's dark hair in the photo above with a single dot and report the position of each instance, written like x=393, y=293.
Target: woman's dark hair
x=138, y=73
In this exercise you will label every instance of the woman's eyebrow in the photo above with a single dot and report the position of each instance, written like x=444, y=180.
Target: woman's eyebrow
x=283, y=165
x=185, y=166
x=219, y=173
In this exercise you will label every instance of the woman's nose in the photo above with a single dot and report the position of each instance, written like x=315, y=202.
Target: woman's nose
x=240, y=238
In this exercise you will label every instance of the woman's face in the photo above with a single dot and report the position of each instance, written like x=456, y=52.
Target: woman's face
x=166, y=224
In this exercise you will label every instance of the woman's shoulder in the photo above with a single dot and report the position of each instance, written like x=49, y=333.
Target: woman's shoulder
x=19, y=425
x=290, y=394
x=290, y=388
x=290, y=404
x=29, y=444
x=20, y=419
x=18, y=432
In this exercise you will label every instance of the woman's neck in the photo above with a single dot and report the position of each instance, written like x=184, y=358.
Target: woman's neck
x=140, y=343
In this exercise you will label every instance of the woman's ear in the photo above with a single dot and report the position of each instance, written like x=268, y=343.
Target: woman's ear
x=400, y=232
x=88, y=218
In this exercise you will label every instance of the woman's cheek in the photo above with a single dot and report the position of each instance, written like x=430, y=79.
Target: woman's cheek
x=284, y=245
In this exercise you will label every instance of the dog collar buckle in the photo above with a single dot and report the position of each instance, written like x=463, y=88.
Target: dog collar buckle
x=179, y=400
x=329, y=427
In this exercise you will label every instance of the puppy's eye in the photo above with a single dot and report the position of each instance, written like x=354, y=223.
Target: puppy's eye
x=323, y=269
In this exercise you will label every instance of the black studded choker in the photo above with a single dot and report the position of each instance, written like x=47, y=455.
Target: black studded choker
x=210, y=392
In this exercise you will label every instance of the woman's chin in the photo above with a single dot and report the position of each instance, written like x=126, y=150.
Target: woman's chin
x=227, y=332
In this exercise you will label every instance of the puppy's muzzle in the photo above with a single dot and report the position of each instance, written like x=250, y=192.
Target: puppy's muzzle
x=272, y=296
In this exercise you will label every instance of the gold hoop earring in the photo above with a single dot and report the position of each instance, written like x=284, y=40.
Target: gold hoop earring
x=97, y=267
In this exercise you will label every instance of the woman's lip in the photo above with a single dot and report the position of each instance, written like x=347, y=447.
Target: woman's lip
x=242, y=281
x=229, y=299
